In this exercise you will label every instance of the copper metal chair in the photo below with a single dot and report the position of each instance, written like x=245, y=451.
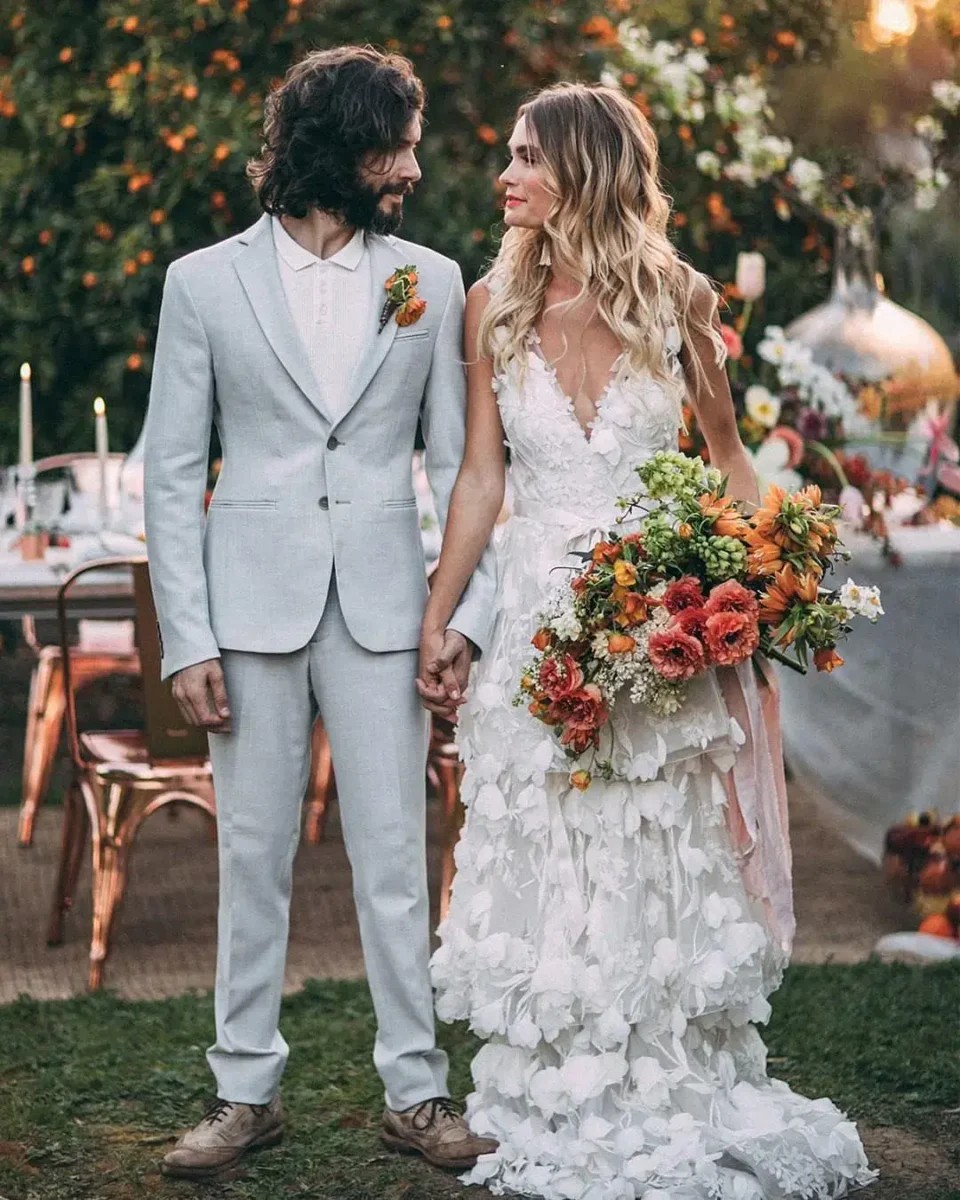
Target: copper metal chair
x=120, y=777
x=47, y=701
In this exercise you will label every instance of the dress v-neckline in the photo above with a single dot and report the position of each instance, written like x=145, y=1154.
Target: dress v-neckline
x=586, y=431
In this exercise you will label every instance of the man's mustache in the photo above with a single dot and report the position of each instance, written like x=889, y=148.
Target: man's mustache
x=395, y=189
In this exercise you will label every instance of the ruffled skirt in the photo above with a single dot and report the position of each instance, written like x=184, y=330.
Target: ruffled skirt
x=603, y=945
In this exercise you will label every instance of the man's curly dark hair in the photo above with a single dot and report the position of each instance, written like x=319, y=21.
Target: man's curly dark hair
x=333, y=108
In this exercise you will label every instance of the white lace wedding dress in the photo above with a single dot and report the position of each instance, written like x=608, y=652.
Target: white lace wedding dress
x=602, y=942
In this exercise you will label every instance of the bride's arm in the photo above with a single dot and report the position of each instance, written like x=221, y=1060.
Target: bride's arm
x=475, y=503
x=713, y=404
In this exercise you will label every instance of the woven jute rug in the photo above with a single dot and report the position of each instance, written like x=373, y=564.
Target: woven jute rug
x=164, y=942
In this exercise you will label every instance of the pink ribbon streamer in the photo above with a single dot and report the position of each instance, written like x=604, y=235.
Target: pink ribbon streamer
x=942, y=444
x=757, y=818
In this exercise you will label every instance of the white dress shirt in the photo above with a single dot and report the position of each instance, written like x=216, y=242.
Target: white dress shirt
x=331, y=302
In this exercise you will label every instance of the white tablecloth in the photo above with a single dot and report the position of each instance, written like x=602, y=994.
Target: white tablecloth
x=880, y=737
x=29, y=587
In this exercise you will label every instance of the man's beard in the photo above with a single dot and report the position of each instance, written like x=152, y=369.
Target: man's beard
x=362, y=210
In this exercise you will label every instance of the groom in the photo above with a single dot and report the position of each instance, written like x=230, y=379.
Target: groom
x=303, y=590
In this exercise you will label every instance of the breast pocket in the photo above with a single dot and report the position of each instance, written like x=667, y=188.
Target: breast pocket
x=411, y=337
x=253, y=505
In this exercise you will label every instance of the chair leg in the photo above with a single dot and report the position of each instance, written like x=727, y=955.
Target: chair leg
x=109, y=880
x=449, y=778
x=71, y=854
x=44, y=724
x=321, y=787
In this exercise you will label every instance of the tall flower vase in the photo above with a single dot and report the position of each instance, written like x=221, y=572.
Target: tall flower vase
x=861, y=334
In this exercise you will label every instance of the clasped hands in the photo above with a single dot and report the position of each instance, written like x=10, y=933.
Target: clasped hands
x=445, y=657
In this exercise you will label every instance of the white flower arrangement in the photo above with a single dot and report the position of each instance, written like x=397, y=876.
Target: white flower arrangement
x=675, y=78
x=947, y=94
x=816, y=384
x=861, y=601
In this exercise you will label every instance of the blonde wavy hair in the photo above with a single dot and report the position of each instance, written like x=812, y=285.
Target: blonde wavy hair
x=607, y=228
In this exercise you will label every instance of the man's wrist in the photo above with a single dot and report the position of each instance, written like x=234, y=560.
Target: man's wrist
x=468, y=642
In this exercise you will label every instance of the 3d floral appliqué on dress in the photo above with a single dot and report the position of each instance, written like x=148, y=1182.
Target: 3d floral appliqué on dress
x=602, y=942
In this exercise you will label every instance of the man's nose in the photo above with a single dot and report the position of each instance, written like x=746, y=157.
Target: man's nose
x=410, y=170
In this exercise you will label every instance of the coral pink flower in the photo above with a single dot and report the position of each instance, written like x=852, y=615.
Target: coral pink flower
x=676, y=655
x=731, y=637
x=683, y=593
x=692, y=621
x=732, y=597
x=560, y=676
x=733, y=342
x=582, y=713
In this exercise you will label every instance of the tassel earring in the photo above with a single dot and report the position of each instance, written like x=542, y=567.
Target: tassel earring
x=545, y=258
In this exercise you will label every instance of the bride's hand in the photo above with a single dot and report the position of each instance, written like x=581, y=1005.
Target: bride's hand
x=444, y=667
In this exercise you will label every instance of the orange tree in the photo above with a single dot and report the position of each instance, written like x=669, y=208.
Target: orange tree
x=126, y=125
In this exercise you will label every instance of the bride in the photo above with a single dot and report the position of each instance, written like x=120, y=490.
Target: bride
x=613, y=947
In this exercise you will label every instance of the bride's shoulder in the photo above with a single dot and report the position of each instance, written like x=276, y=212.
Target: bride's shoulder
x=480, y=293
x=699, y=295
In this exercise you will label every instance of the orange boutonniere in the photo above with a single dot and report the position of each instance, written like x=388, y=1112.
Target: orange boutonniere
x=402, y=300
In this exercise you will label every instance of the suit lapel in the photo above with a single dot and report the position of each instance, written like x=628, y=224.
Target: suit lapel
x=383, y=262
x=256, y=264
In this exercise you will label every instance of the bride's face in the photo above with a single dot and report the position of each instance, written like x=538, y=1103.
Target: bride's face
x=528, y=199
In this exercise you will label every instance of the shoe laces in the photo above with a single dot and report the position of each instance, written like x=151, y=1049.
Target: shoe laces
x=218, y=1109
x=439, y=1108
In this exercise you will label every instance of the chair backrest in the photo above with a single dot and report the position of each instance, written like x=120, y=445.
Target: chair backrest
x=167, y=735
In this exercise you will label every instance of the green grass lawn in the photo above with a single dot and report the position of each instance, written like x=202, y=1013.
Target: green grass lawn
x=90, y=1089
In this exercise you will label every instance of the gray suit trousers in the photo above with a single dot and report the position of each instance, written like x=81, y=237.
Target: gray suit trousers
x=378, y=738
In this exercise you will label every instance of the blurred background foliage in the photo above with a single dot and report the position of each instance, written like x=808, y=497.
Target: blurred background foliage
x=125, y=126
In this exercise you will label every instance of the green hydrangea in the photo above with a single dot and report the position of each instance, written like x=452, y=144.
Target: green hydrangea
x=722, y=557
x=660, y=542
x=672, y=474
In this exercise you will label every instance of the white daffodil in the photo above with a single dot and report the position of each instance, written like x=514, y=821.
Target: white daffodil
x=762, y=405
x=860, y=601
x=773, y=347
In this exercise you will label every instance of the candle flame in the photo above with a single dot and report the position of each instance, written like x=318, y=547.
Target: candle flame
x=99, y=407
x=892, y=20
x=25, y=372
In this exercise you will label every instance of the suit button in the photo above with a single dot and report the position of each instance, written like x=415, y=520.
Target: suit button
x=332, y=443
x=324, y=503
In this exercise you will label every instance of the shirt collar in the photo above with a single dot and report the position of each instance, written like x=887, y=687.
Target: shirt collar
x=298, y=257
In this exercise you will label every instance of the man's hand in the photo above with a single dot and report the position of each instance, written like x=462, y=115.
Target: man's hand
x=444, y=669
x=201, y=694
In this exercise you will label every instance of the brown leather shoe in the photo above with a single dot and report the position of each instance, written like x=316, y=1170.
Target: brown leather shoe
x=436, y=1129
x=224, y=1135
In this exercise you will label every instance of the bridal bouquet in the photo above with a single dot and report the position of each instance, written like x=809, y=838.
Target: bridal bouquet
x=702, y=583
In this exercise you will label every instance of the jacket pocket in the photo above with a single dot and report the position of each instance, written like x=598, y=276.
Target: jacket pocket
x=411, y=503
x=409, y=337
x=252, y=504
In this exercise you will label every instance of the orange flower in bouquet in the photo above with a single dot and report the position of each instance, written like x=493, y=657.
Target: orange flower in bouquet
x=700, y=585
